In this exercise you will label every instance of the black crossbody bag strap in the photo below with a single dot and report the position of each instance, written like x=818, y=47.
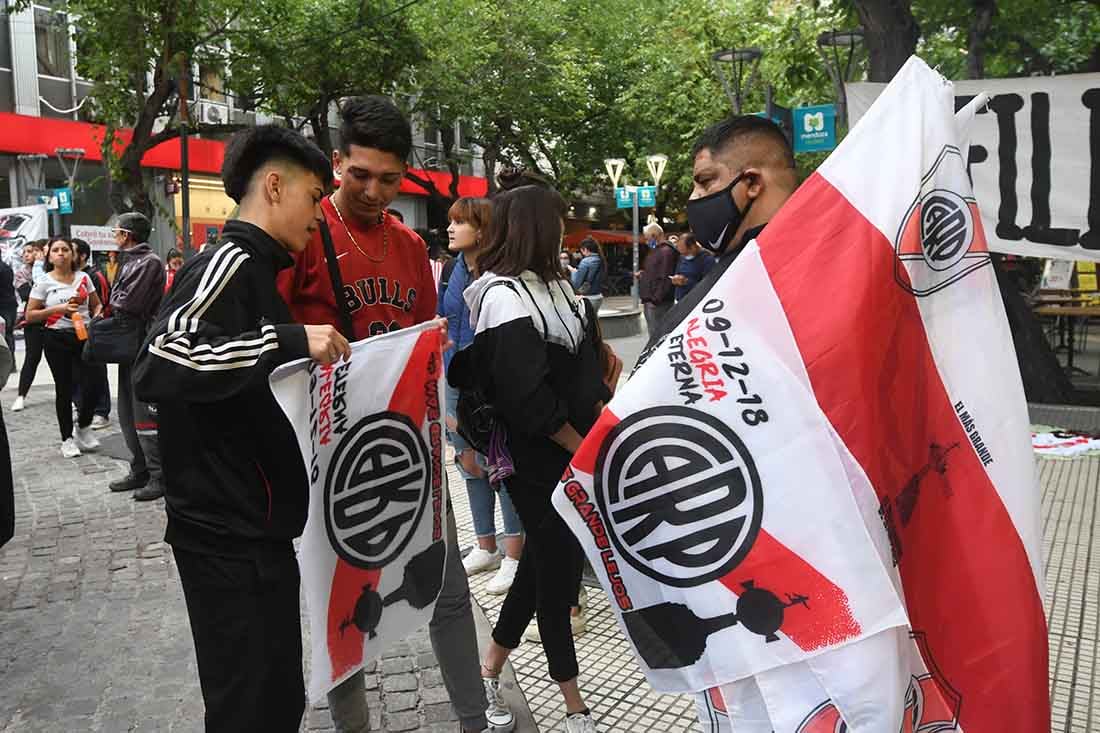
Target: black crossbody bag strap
x=346, y=326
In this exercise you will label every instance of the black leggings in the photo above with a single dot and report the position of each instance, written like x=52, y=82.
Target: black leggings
x=63, y=351
x=546, y=581
x=32, y=337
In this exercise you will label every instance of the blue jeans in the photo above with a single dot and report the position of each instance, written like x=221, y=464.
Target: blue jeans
x=481, y=494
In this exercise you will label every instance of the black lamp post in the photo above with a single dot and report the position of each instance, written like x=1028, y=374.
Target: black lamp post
x=731, y=65
x=839, y=72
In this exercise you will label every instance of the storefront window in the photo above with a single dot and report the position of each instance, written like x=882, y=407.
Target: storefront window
x=51, y=33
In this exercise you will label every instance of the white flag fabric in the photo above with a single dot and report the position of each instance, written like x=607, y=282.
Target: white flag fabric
x=374, y=546
x=848, y=391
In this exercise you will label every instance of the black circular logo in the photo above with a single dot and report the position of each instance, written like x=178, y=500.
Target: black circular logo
x=680, y=495
x=378, y=483
x=947, y=228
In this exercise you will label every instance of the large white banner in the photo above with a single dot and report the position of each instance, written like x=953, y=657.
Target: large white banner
x=21, y=225
x=374, y=546
x=1034, y=157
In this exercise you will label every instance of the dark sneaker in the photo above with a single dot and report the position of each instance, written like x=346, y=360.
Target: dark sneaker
x=129, y=482
x=151, y=490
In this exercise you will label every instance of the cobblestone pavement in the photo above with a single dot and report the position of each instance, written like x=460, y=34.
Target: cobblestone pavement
x=94, y=633
x=93, y=629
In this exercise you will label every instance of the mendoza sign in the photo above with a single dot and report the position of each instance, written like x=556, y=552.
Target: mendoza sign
x=647, y=197
x=814, y=128
x=1034, y=157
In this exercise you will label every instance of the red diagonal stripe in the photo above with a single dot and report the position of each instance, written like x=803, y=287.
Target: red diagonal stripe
x=968, y=584
x=345, y=645
x=773, y=566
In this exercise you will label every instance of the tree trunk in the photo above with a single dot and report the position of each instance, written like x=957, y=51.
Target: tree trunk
x=981, y=21
x=1042, y=375
x=890, y=32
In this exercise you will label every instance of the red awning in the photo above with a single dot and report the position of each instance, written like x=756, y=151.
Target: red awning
x=603, y=236
x=24, y=134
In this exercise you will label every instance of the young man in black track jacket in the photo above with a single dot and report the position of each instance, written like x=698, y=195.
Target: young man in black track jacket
x=235, y=485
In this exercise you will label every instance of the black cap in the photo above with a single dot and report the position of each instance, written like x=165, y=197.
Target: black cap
x=136, y=224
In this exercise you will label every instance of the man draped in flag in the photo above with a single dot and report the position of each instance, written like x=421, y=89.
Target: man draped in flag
x=743, y=172
x=814, y=503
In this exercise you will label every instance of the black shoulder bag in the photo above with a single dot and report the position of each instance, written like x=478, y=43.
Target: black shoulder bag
x=345, y=325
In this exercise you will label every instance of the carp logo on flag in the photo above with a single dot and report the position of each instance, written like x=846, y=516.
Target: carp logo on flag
x=712, y=494
x=940, y=240
x=692, y=499
x=373, y=549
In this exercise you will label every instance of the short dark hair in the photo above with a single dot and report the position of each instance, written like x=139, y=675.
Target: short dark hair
x=737, y=129
x=137, y=224
x=375, y=122
x=83, y=249
x=47, y=266
x=525, y=233
x=254, y=147
x=173, y=254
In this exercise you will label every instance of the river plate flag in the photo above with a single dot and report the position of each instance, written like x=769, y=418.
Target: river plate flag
x=373, y=550
x=840, y=418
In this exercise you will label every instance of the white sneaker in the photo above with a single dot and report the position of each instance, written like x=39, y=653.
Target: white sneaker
x=502, y=581
x=99, y=422
x=18, y=404
x=480, y=561
x=577, y=625
x=69, y=449
x=84, y=439
x=580, y=723
x=499, y=716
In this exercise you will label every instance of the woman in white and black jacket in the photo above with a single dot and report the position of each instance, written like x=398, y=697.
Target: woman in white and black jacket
x=537, y=359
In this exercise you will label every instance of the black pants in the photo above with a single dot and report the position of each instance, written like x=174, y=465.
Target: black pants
x=103, y=404
x=248, y=638
x=546, y=581
x=33, y=334
x=139, y=428
x=63, y=351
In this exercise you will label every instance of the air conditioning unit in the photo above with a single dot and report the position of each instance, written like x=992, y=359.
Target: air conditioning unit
x=212, y=113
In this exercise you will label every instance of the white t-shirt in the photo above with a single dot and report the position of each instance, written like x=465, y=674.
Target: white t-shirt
x=52, y=292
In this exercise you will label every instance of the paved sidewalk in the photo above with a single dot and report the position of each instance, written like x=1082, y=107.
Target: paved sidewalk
x=93, y=628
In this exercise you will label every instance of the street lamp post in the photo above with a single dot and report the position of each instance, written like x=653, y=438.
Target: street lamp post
x=614, y=166
x=840, y=72
x=730, y=65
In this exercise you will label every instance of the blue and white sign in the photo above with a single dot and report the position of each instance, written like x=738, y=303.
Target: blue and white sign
x=814, y=128
x=624, y=197
x=64, y=200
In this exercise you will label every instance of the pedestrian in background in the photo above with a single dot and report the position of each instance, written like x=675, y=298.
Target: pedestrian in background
x=469, y=219
x=136, y=294
x=655, y=289
x=9, y=303
x=102, y=417
x=34, y=258
x=694, y=263
x=65, y=301
x=591, y=274
x=566, y=263
x=110, y=269
x=175, y=262
x=535, y=360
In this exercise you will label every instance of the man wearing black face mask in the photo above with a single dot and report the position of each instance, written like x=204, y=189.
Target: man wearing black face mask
x=744, y=171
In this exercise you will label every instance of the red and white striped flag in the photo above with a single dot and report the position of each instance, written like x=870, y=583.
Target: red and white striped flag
x=374, y=546
x=853, y=367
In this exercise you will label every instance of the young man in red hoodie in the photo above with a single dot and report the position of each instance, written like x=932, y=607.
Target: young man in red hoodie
x=387, y=284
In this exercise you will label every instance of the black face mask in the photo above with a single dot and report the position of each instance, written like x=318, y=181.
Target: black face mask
x=715, y=218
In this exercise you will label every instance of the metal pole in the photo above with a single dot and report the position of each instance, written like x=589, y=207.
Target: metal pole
x=635, y=290
x=185, y=190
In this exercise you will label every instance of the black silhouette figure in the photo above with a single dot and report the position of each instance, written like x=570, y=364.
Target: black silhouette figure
x=670, y=635
x=907, y=497
x=420, y=586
